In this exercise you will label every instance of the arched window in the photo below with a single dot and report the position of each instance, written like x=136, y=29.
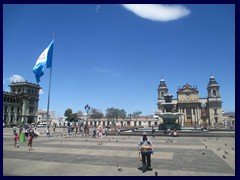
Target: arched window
x=162, y=94
x=214, y=92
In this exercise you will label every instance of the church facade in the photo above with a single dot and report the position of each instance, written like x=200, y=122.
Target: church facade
x=196, y=111
x=20, y=105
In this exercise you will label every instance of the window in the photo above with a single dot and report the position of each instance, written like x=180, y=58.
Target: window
x=30, y=109
x=214, y=92
x=31, y=102
x=162, y=94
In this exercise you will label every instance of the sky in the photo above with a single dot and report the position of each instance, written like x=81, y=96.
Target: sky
x=115, y=55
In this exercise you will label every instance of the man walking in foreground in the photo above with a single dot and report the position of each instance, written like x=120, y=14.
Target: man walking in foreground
x=145, y=146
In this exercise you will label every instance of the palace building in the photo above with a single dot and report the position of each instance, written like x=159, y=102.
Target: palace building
x=20, y=105
x=196, y=110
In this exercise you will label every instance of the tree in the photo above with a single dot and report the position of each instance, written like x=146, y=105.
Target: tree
x=115, y=113
x=122, y=113
x=95, y=114
x=110, y=113
x=69, y=114
x=136, y=113
x=74, y=117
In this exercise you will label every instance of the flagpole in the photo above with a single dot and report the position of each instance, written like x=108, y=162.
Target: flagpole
x=49, y=89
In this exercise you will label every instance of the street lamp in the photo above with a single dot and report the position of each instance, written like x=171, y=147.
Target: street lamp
x=87, y=109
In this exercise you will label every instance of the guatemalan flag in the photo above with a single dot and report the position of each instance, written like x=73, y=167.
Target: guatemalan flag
x=45, y=59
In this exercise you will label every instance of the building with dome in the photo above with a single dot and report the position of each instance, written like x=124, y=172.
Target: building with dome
x=197, y=110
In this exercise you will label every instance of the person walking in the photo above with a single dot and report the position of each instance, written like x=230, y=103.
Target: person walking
x=94, y=132
x=106, y=131
x=16, y=140
x=77, y=127
x=30, y=141
x=145, y=146
x=48, y=132
x=153, y=131
x=100, y=135
x=14, y=130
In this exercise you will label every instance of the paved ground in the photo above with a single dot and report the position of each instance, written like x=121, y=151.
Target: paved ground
x=81, y=156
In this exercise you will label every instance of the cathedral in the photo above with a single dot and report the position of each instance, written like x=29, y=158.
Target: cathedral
x=196, y=111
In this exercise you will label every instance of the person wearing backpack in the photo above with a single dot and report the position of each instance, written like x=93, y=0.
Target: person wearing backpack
x=145, y=146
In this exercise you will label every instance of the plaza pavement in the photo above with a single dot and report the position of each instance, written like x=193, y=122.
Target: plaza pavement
x=62, y=155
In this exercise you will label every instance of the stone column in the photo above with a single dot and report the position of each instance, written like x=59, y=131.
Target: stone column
x=193, y=118
x=199, y=117
x=182, y=117
x=185, y=115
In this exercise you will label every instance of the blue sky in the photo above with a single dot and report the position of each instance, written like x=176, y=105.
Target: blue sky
x=115, y=56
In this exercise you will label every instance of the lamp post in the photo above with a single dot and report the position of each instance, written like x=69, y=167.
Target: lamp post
x=87, y=109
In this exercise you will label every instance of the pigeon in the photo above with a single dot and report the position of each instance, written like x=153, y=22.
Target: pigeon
x=203, y=153
x=224, y=157
x=206, y=147
x=218, y=149
x=119, y=168
x=204, y=139
x=116, y=140
x=156, y=173
x=225, y=144
x=86, y=140
x=226, y=152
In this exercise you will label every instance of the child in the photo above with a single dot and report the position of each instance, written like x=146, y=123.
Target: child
x=16, y=140
x=30, y=140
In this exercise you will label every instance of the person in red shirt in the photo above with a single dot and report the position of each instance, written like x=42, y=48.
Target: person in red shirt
x=16, y=140
x=30, y=140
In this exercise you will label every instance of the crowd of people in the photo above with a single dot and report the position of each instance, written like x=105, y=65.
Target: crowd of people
x=28, y=135
x=144, y=144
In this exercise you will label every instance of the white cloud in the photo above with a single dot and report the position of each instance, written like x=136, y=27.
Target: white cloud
x=41, y=91
x=157, y=12
x=16, y=78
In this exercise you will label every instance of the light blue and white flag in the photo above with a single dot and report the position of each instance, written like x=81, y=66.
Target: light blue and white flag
x=45, y=59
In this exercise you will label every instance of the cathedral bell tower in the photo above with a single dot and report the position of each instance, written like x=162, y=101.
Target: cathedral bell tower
x=214, y=102
x=162, y=91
